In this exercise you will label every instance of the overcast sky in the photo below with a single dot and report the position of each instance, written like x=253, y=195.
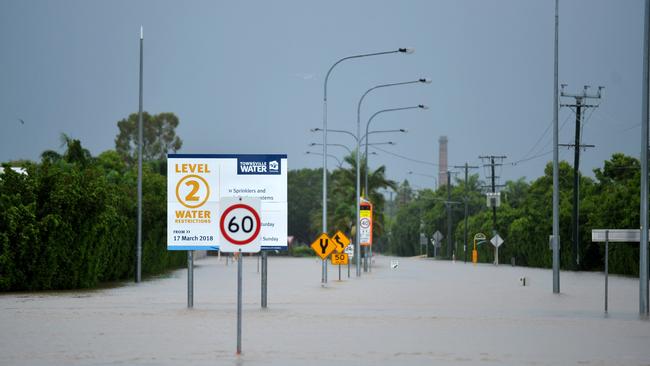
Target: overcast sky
x=247, y=76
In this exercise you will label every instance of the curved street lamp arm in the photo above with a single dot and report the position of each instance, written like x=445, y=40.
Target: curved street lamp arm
x=419, y=106
x=340, y=145
x=340, y=163
x=399, y=50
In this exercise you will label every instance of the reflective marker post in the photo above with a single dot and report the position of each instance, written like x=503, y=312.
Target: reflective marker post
x=606, y=265
x=190, y=279
x=348, y=269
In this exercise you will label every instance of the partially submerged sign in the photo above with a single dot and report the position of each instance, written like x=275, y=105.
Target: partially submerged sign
x=394, y=263
x=196, y=183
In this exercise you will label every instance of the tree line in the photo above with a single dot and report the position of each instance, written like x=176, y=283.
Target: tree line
x=609, y=200
x=70, y=221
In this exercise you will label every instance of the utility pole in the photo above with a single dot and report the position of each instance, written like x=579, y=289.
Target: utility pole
x=466, y=167
x=556, y=164
x=493, y=201
x=579, y=105
x=448, y=203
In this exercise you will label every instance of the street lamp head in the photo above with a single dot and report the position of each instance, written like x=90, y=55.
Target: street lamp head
x=312, y=144
x=422, y=106
x=403, y=130
x=315, y=129
x=407, y=50
x=411, y=172
x=391, y=143
x=425, y=80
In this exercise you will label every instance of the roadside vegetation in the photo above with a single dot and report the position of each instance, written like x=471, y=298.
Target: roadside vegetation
x=609, y=200
x=70, y=221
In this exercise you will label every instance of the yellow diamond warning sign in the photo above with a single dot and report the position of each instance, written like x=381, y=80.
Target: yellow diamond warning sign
x=323, y=246
x=341, y=241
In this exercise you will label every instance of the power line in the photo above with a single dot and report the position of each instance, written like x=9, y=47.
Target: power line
x=527, y=157
x=403, y=157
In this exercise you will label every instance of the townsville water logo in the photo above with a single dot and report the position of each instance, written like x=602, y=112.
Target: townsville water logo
x=258, y=165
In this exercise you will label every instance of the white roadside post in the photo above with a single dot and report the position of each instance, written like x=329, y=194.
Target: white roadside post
x=496, y=241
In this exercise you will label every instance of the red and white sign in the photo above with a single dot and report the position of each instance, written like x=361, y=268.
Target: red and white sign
x=240, y=225
x=365, y=223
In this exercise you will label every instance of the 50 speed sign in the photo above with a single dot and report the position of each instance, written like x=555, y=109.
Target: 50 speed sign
x=240, y=224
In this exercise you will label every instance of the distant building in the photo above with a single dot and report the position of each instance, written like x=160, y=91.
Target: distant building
x=442, y=161
x=15, y=169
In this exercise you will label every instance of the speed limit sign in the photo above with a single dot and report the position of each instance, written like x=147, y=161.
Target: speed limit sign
x=239, y=225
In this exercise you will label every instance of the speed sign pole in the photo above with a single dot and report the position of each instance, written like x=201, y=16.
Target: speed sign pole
x=239, y=228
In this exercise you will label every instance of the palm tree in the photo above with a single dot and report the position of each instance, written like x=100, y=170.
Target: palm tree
x=343, y=193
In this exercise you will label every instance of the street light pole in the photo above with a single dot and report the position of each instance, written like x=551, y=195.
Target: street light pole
x=358, y=163
x=556, y=169
x=399, y=50
x=419, y=106
x=645, y=114
x=138, y=266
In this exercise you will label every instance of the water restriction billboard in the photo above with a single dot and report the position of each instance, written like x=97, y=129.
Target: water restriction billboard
x=197, y=182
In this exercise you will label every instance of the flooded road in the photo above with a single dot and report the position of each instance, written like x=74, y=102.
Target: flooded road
x=424, y=312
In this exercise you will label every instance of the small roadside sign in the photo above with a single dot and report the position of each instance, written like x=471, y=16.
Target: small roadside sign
x=496, y=240
x=423, y=239
x=349, y=250
x=394, y=263
x=480, y=236
x=437, y=236
x=339, y=258
x=323, y=246
x=341, y=241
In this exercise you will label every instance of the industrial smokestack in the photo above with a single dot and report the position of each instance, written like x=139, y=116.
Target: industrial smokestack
x=442, y=162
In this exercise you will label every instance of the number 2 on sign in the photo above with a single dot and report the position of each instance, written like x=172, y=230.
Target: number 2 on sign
x=195, y=188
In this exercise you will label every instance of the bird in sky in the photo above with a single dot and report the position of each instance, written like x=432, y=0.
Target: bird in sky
x=21, y=121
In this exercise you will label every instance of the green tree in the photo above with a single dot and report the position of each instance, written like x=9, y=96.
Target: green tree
x=304, y=202
x=613, y=203
x=159, y=136
x=343, y=197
